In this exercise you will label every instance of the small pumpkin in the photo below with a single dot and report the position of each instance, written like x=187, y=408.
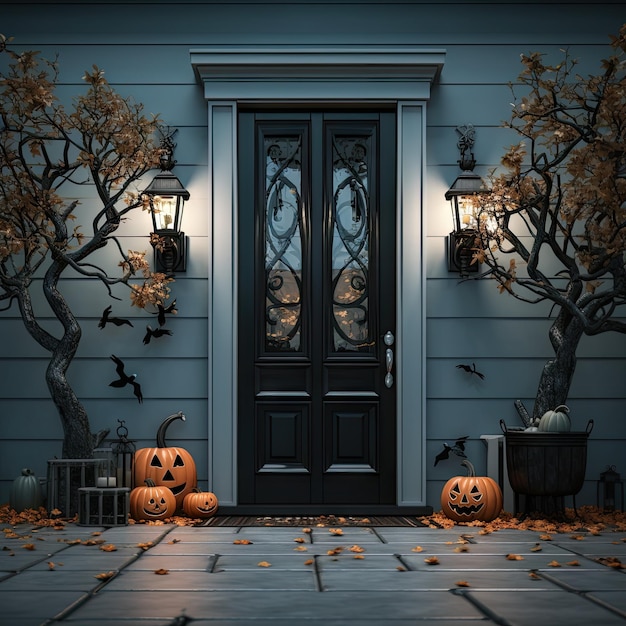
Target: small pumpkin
x=25, y=492
x=471, y=498
x=200, y=504
x=171, y=467
x=152, y=502
x=556, y=421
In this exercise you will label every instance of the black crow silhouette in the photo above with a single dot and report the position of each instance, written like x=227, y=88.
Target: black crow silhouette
x=471, y=370
x=163, y=310
x=107, y=319
x=124, y=379
x=458, y=448
x=159, y=332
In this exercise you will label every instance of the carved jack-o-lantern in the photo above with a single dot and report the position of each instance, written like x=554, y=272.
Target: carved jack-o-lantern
x=469, y=498
x=200, y=504
x=171, y=467
x=152, y=502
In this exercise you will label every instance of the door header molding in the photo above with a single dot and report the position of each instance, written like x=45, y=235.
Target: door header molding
x=373, y=73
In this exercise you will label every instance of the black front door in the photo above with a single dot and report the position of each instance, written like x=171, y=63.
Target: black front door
x=316, y=301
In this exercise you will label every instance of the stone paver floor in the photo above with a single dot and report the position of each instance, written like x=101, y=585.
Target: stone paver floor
x=250, y=576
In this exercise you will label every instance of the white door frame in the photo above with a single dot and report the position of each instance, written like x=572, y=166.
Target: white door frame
x=401, y=75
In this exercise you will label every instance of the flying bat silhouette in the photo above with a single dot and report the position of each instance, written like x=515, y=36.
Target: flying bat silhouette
x=458, y=448
x=159, y=332
x=163, y=310
x=107, y=319
x=124, y=379
x=471, y=370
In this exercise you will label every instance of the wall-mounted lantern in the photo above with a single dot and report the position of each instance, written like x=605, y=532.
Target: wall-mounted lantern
x=167, y=200
x=465, y=211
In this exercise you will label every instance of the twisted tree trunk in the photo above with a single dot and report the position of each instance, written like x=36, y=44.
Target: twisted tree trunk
x=557, y=374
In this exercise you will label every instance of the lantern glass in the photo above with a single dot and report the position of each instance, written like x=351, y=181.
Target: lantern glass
x=106, y=473
x=165, y=213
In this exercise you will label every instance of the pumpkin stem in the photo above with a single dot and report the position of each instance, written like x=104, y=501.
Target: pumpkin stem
x=160, y=438
x=27, y=472
x=562, y=406
x=470, y=467
x=149, y=482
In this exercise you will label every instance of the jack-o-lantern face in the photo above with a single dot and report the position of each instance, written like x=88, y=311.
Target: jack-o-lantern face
x=469, y=498
x=152, y=502
x=200, y=504
x=169, y=466
x=464, y=503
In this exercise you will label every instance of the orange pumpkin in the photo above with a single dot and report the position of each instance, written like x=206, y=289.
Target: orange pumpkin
x=170, y=467
x=471, y=498
x=152, y=502
x=200, y=504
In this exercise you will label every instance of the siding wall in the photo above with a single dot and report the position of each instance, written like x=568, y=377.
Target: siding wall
x=144, y=49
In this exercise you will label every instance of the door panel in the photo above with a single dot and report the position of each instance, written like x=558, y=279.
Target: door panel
x=316, y=424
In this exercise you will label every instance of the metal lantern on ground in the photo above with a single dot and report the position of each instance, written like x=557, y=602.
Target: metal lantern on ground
x=465, y=211
x=123, y=454
x=167, y=200
x=609, y=479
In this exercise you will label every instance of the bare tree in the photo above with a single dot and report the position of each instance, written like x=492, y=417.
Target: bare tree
x=46, y=151
x=554, y=223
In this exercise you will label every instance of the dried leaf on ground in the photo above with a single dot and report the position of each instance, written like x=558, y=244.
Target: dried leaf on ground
x=109, y=547
x=242, y=542
x=514, y=557
x=431, y=560
x=161, y=571
x=105, y=575
x=554, y=563
x=417, y=549
x=264, y=564
x=462, y=583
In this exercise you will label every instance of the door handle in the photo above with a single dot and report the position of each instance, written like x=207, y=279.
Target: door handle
x=389, y=341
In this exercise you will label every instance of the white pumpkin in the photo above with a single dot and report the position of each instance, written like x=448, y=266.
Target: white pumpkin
x=556, y=421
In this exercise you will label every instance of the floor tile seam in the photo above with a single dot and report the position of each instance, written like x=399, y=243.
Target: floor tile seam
x=86, y=596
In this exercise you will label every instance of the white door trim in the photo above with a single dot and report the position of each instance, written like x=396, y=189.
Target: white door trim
x=402, y=75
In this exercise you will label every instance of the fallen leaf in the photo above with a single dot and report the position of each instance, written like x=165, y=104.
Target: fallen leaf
x=109, y=547
x=105, y=575
x=356, y=548
x=554, y=564
x=462, y=583
x=534, y=576
x=573, y=563
x=417, y=549
x=264, y=564
x=242, y=542
x=96, y=533
x=301, y=549
x=174, y=541
x=162, y=571
x=299, y=540
x=29, y=546
x=309, y=562
x=335, y=531
x=358, y=556
x=432, y=560
x=577, y=537
x=306, y=530
x=335, y=551
x=545, y=537
x=461, y=549
x=146, y=545
x=51, y=565
x=536, y=548
x=514, y=557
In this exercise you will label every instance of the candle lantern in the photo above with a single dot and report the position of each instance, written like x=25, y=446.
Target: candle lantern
x=609, y=480
x=105, y=473
x=123, y=450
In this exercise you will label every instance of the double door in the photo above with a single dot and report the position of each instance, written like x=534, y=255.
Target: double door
x=316, y=310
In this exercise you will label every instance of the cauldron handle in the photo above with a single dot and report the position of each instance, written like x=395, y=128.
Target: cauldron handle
x=589, y=426
x=503, y=427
